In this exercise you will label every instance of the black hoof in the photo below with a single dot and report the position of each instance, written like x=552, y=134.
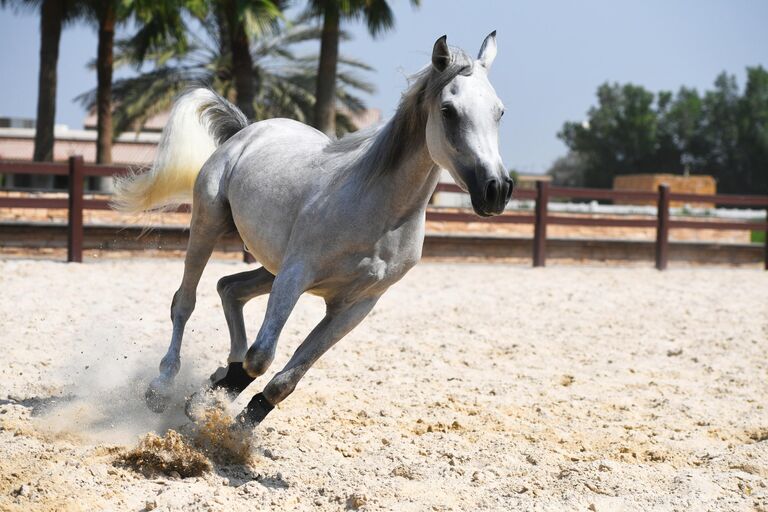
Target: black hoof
x=156, y=400
x=255, y=412
x=235, y=381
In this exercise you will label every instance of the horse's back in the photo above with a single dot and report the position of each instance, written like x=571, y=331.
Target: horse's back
x=272, y=151
x=272, y=168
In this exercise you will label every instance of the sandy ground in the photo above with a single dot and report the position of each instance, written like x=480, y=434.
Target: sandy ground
x=470, y=387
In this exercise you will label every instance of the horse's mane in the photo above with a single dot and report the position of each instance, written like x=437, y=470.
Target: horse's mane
x=384, y=147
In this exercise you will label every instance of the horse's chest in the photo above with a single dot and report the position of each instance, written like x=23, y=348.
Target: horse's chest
x=373, y=269
x=376, y=269
x=374, y=274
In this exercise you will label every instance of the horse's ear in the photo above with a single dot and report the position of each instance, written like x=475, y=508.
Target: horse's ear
x=487, y=51
x=441, y=54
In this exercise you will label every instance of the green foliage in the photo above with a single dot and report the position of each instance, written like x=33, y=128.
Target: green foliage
x=757, y=237
x=377, y=14
x=285, y=82
x=160, y=24
x=723, y=133
x=569, y=171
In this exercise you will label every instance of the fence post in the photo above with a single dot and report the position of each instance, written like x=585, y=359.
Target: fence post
x=540, y=224
x=75, y=217
x=662, y=228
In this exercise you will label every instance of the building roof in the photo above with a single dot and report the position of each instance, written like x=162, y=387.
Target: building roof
x=128, y=149
x=17, y=139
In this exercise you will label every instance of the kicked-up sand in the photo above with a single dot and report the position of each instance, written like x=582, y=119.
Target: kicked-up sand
x=470, y=387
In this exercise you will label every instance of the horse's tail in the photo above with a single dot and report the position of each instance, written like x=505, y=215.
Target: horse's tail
x=200, y=121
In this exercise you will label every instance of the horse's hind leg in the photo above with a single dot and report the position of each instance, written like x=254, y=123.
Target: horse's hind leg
x=209, y=222
x=235, y=291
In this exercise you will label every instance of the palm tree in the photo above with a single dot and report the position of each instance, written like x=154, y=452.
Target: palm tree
x=54, y=15
x=283, y=83
x=106, y=14
x=242, y=21
x=378, y=17
x=160, y=24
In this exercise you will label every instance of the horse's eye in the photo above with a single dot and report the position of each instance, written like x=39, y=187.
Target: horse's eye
x=501, y=115
x=448, y=111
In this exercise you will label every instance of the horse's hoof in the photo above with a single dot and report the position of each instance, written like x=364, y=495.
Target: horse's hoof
x=255, y=412
x=156, y=397
x=191, y=404
x=206, y=399
x=235, y=381
x=230, y=380
x=220, y=373
x=197, y=403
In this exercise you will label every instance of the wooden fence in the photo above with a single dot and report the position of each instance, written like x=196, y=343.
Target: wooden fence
x=77, y=171
x=541, y=217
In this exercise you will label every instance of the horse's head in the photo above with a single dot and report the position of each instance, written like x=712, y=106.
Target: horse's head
x=463, y=125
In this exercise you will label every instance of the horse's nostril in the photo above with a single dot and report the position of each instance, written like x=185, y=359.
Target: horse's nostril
x=510, y=188
x=491, y=191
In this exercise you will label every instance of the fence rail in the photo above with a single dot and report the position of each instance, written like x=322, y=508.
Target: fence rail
x=77, y=171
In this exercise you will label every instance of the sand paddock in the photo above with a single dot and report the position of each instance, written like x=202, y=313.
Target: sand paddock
x=470, y=387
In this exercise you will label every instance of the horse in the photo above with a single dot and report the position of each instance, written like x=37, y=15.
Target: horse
x=342, y=219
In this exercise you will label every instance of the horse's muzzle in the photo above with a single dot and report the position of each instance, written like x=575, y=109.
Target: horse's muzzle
x=495, y=196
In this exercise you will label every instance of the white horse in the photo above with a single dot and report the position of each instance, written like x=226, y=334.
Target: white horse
x=342, y=219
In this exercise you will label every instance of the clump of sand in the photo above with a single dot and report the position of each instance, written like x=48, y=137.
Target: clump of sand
x=167, y=454
x=213, y=437
x=221, y=439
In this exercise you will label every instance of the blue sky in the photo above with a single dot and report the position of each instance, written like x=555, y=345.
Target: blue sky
x=552, y=56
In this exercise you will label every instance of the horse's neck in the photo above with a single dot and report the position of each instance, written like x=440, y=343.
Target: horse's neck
x=413, y=182
x=404, y=189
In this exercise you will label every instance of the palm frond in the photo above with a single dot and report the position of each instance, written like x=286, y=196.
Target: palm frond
x=285, y=83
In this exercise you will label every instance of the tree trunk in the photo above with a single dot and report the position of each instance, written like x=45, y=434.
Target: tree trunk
x=104, y=64
x=325, y=96
x=242, y=63
x=51, y=16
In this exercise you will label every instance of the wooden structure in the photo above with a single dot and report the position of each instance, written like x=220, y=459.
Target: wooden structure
x=692, y=184
x=77, y=171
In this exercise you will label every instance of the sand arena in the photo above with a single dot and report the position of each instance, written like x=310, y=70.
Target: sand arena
x=469, y=387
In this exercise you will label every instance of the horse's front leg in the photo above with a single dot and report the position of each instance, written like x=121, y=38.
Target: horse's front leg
x=287, y=287
x=235, y=291
x=338, y=321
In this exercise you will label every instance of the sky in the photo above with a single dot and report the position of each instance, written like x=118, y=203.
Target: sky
x=552, y=56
